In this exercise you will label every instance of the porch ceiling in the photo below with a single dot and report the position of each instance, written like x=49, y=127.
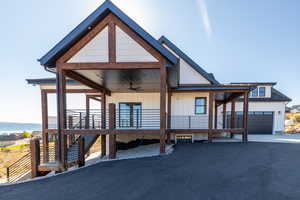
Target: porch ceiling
x=132, y=80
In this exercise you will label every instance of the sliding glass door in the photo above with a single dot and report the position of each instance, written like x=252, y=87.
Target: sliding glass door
x=130, y=115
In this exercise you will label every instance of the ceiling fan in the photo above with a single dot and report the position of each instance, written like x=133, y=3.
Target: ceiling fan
x=134, y=88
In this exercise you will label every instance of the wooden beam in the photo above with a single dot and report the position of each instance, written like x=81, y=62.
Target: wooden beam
x=163, y=91
x=211, y=90
x=78, y=77
x=169, y=115
x=45, y=125
x=135, y=131
x=224, y=115
x=112, y=42
x=233, y=117
x=62, y=119
x=35, y=157
x=110, y=66
x=86, y=132
x=112, y=126
x=81, y=153
x=103, y=124
x=216, y=116
x=204, y=131
x=245, y=116
x=72, y=90
x=210, y=116
x=87, y=111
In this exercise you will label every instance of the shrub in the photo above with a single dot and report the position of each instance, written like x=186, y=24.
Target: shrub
x=297, y=118
x=26, y=134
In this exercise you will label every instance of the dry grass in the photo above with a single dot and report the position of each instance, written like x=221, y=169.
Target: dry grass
x=295, y=127
x=10, y=155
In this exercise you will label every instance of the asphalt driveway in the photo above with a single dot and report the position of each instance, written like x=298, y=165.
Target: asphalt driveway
x=195, y=171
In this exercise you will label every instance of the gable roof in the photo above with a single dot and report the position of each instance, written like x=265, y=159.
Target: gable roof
x=209, y=76
x=49, y=60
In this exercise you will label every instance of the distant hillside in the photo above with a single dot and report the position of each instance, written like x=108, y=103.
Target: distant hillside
x=10, y=126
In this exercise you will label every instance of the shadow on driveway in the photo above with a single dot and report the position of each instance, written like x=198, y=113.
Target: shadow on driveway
x=194, y=171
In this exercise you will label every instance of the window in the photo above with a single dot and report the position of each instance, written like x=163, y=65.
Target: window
x=200, y=105
x=262, y=91
x=254, y=92
x=130, y=115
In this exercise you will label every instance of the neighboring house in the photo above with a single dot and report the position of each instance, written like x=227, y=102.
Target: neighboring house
x=148, y=88
x=294, y=109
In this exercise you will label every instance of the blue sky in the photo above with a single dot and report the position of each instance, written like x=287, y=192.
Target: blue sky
x=236, y=40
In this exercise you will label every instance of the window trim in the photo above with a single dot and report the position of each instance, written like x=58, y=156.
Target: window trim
x=259, y=89
x=257, y=92
x=205, y=105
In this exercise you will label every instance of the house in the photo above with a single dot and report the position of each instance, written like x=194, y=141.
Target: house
x=293, y=109
x=148, y=89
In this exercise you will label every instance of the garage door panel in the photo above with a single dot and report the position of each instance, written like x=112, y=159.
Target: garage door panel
x=258, y=122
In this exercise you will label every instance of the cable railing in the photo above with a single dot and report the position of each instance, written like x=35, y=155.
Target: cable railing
x=18, y=169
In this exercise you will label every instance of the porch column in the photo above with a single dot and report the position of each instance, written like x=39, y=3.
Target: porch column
x=61, y=117
x=45, y=125
x=232, y=124
x=210, y=115
x=245, y=116
x=103, y=124
x=87, y=112
x=112, y=126
x=169, y=115
x=224, y=115
x=216, y=116
x=163, y=91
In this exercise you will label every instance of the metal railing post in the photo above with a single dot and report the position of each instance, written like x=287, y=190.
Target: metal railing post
x=80, y=120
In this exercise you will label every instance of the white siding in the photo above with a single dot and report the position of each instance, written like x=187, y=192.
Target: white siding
x=148, y=100
x=95, y=51
x=188, y=75
x=128, y=50
x=277, y=107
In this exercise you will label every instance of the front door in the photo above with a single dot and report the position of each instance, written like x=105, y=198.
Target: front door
x=130, y=115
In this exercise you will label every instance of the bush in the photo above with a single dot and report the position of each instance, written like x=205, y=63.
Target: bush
x=26, y=134
x=297, y=118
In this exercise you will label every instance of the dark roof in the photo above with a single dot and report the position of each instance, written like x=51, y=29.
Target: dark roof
x=48, y=81
x=49, y=60
x=209, y=76
x=276, y=96
x=256, y=83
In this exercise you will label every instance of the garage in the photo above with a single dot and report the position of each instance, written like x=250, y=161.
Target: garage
x=260, y=123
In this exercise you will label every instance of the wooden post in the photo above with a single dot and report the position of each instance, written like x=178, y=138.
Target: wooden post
x=233, y=116
x=87, y=112
x=245, y=116
x=210, y=115
x=61, y=94
x=224, y=115
x=45, y=126
x=111, y=136
x=35, y=157
x=81, y=153
x=169, y=115
x=103, y=124
x=216, y=116
x=163, y=91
